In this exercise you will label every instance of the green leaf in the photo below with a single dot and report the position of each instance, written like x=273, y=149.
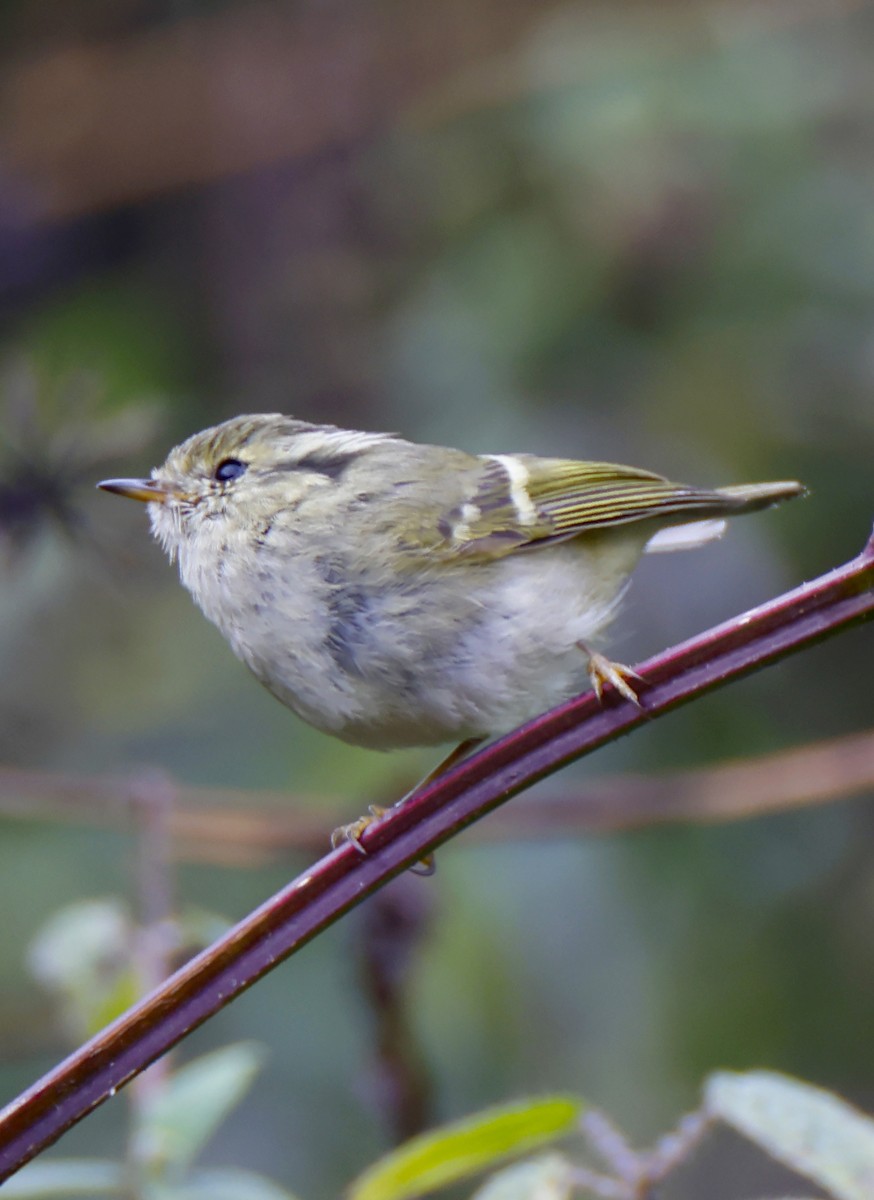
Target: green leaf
x=184, y=1115
x=220, y=1184
x=82, y=953
x=466, y=1147
x=547, y=1177
x=66, y=1177
x=809, y=1130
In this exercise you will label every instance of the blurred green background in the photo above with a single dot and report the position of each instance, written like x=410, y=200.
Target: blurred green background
x=640, y=232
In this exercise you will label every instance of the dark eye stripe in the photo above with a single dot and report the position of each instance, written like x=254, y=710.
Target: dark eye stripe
x=323, y=463
x=228, y=469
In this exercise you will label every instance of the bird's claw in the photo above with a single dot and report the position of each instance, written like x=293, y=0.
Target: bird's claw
x=603, y=670
x=353, y=831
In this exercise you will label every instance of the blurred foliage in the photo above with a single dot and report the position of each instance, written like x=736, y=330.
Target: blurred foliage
x=84, y=955
x=634, y=232
x=813, y=1133
x=168, y=1133
x=436, y=1159
x=52, y=441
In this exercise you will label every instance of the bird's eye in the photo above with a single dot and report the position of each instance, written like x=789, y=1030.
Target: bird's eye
x=228, y=469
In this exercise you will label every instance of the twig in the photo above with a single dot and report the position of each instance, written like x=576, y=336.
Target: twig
x=387, y=940
x=836, y=601
x=229, y=826
x=636, y=1175
x=151, y=802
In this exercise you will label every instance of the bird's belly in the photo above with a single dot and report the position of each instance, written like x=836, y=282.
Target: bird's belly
x=421, y=660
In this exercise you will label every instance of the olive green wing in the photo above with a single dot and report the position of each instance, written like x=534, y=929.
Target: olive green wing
x=521, y=500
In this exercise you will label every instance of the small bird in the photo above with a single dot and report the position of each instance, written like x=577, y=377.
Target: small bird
x=395, y=594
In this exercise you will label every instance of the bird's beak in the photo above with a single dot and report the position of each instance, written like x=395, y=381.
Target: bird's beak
x=149, y=491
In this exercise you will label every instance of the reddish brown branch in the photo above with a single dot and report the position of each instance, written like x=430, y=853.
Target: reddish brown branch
x=317, y=898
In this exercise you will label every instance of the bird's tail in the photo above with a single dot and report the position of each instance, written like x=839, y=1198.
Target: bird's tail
x=742, y=497
x=748, y=497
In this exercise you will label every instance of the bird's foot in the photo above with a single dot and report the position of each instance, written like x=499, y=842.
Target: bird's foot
x=603, y=670
x=353, y=831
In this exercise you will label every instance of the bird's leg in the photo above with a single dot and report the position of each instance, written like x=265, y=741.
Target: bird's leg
x=461, y=751
x=602, y=670
x=353, y=831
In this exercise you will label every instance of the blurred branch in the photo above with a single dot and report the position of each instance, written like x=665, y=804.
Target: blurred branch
x=232, y=827
x=321, y=895
x=151, y=801
x=392, y=930
x=91, y=125
x=634, y=1175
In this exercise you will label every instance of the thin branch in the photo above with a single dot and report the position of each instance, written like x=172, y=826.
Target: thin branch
x=252, y=828
x=836, y=601
x=387, y=942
